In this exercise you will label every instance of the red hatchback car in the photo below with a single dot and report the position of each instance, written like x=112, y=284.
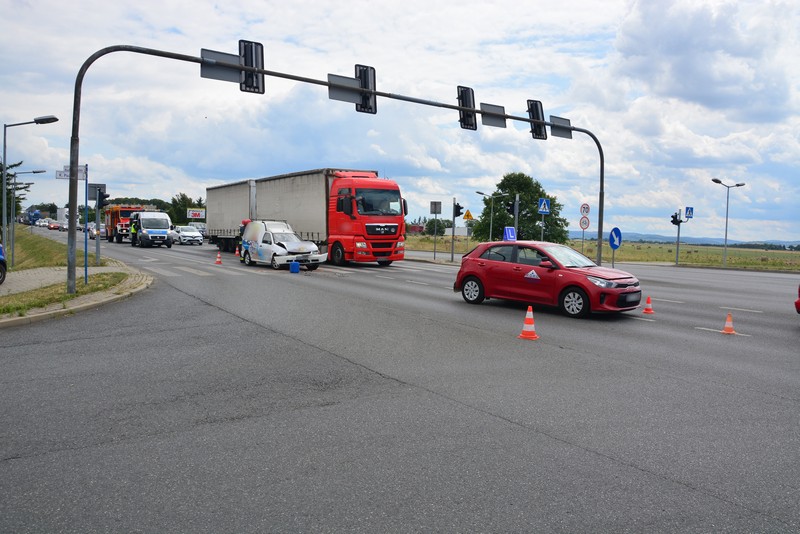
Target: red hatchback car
x=545, y=273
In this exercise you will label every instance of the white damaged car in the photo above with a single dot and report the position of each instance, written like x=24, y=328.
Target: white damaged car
x=275, y=243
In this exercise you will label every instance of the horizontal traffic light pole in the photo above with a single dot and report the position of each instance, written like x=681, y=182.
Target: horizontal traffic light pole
x=366, y=76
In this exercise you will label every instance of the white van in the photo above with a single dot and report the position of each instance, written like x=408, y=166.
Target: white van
x=153, y=228
x=275, y=243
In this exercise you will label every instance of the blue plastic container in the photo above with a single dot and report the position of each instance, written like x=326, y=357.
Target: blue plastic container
x=294, y=267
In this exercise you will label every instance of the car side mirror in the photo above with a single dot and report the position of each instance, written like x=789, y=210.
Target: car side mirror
x=547, y=264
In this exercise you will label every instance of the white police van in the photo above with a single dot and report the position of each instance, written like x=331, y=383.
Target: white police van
x=275, y=243
x=152, y=228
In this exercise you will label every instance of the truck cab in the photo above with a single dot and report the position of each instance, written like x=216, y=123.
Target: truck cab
x=275, y=243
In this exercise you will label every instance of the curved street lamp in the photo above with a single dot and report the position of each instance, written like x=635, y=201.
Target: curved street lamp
x=45, y=119
x=727, y=202
x=491, y=212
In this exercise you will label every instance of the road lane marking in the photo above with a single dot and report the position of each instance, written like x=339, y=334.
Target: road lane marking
x=197, y=272
x=162, y=272
x=667, y=300
x=720, y=331
x=740, y=309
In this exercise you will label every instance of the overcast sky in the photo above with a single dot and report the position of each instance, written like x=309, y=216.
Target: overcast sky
x=677, y=92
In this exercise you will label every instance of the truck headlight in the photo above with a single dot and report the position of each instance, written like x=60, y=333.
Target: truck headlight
x=401, y=244
x=361, y=244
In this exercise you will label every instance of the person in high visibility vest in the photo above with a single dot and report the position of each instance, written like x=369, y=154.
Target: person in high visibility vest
x=133, y=233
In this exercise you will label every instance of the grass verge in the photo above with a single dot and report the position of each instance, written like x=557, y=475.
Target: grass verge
x=20, y=303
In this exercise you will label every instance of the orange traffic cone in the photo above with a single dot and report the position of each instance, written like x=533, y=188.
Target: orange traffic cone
x=237, y=251
x=648, y=307
x=729, y=325
x=528, y=329
x=219, y=259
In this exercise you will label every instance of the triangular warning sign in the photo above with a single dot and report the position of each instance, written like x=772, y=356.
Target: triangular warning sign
x=467, y=216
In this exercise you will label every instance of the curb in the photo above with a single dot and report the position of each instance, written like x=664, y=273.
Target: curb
x=135, y=282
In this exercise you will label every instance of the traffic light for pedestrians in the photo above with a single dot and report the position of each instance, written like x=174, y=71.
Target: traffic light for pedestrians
x=676, y=219
x=457, y=210
x=101, y=199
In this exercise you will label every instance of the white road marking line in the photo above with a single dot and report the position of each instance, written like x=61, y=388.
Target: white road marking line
x=197, y=272
x=740, y=309
x=720, y=331
x=162, y=272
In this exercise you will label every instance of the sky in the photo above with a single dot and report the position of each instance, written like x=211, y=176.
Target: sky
x=677, y=93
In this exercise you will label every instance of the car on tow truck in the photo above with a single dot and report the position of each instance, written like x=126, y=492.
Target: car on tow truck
x=551, y=274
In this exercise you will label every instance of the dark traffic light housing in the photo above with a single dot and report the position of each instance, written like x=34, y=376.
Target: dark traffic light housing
x=676, y=220
x=510, y=205
x=536, y=113
x=366, y=79
x=458, y=209
x=102, y=197
x=466, y=99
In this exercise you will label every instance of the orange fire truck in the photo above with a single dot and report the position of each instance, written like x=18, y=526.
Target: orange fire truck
x=118, y=221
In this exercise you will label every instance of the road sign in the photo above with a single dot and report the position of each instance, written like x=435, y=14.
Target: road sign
x=467, y=216
x=509, y=233
x=544, y=206
x=584, y=209
x=615, y=238
x=689, y=212
x=584, y=222
x=94, y=188
x=64, y=175
x=436, y=207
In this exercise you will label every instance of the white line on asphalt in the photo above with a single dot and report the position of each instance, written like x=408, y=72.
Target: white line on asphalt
x=162, y=272
x=418, y=283
x=667, y=300
x=197, y=272
x=639, y=318
x=720, y=331
x=740, y=309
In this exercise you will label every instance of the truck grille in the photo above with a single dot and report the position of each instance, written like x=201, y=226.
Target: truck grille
x=381, y=229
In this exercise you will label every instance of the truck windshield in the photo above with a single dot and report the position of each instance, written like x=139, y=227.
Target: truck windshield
x=378, y=201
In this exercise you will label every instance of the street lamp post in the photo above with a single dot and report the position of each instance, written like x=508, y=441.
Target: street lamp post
x=491, y=208
x=46, y=119
x=727, y=203
x=13, y=232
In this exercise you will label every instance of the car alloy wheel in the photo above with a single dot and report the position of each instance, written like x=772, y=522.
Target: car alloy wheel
x=574, y=302
x=472, y=290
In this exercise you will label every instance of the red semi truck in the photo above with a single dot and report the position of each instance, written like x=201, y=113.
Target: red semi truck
x=352, y=215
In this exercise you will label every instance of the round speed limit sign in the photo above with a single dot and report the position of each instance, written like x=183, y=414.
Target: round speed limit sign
x=584, y=222
x=584, y=209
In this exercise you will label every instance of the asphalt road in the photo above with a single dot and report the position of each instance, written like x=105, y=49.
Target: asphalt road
x=227, y=398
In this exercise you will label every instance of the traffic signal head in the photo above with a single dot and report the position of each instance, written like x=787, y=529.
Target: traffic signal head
x=101, y=199
x=510, y=206
x=466, y=99
x=675, y=220
x=536, y=113
x=366, y=78
x=457, y=210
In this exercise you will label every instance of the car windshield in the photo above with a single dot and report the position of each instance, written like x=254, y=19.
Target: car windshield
x=187, y=228
x=155, y=223
x=567, y=256
x=378, y=201
x=286, y=238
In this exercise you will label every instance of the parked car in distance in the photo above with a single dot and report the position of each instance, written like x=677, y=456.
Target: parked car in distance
x=538, y=272
x=186, y=235
x=53, y=225
x=94, y=232
x=201, y=227
x=42, y=222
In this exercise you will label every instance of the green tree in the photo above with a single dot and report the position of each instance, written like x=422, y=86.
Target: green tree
x=439, y=224
x=529, y=222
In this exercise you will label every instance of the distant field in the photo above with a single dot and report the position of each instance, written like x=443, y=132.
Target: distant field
x=710, y=256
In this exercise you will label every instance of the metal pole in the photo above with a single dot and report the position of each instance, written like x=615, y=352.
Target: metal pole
x=5, y=187
x=678, y=244
x=725, y=248
x=453, y=233
x=491, y=217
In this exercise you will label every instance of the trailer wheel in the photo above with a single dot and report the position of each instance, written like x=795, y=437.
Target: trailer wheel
x=337, y=255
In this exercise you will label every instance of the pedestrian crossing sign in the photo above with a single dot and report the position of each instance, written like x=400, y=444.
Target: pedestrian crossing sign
x=544, y=206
